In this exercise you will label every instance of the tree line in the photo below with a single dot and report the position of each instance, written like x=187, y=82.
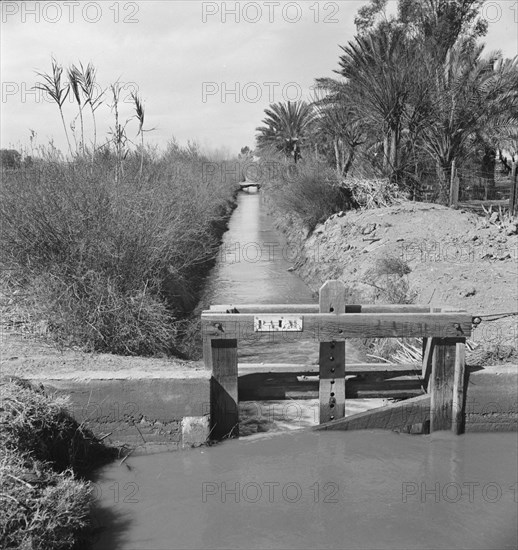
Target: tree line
x=413, y=93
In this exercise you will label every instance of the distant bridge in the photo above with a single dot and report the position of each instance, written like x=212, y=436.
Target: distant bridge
x=248, y=184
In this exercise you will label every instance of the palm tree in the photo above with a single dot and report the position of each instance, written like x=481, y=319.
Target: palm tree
x=380, y=72
x=338, y=125
x=287, y=127
x=472, y=99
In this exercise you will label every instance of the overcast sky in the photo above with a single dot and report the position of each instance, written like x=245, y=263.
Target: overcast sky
x=202, y=74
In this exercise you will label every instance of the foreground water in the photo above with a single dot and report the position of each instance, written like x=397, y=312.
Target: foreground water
x=317, y=490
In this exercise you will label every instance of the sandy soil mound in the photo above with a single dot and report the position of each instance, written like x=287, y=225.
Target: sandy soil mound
x=456, y=258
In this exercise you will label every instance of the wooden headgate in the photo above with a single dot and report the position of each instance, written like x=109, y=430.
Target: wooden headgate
x=331, y=322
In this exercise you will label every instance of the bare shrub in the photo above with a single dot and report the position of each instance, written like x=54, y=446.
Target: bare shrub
x=374, y=193
x=311, y=191
x=111, y=263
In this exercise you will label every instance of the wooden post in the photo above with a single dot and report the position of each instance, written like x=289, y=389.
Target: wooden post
x=224, y=416
x=332, y=357
x=442, y=383
x=513, y=197
x=454, y=185
x=458, y=402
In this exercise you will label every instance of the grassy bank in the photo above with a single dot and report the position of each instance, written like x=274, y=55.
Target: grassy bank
x=111, y=256
x=45, y=460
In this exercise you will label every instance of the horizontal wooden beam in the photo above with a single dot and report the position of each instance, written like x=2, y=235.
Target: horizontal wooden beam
x=324, y=327
x=314, y=308
x=265, y=387
x=396, y=416
x=352, y=369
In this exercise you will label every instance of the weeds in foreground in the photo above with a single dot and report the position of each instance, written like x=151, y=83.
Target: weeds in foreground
x=36, y=424
x=44, y=455
x=40, y=508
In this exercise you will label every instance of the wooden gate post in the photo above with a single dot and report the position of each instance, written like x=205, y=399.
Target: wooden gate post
x=459, y=390
x=513, y=197
x=331, y=361
x=447, y=384
x=220, y=356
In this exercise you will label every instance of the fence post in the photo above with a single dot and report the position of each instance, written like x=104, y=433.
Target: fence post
x=513, y=197
x=331, y=392
x=454, y=185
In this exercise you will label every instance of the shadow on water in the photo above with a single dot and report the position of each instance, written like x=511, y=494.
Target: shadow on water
x=109, y=528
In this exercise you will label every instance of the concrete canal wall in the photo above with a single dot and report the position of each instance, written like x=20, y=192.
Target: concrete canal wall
x=169, y=409
x=162, y=411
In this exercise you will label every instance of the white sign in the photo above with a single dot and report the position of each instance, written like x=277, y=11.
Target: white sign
x=277, y=323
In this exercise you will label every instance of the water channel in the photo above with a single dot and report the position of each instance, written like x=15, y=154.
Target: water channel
x=293, y=489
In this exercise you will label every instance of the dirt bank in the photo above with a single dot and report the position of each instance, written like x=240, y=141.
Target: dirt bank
x=454, y=257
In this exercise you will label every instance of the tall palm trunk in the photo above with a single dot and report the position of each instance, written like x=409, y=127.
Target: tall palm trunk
x=443, y=170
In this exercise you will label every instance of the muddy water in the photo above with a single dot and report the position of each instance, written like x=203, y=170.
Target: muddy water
x=317, y=490
x=254, y=260
x=253, y=268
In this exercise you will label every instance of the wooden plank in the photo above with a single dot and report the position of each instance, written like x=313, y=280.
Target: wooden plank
x=396, y=416
x=207, y=350
x=263, y=308
x=332, y=297
x=427, y=362
x=224, y=417
x=326, y=327
x=314, y=308
x=331, y=390
x=459, y=379
x=443, y=368
x=307, y=391
x=352, y=369
x=382, y=393
x=260, y=386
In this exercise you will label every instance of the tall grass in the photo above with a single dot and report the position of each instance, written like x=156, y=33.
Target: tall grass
x=108, y=262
